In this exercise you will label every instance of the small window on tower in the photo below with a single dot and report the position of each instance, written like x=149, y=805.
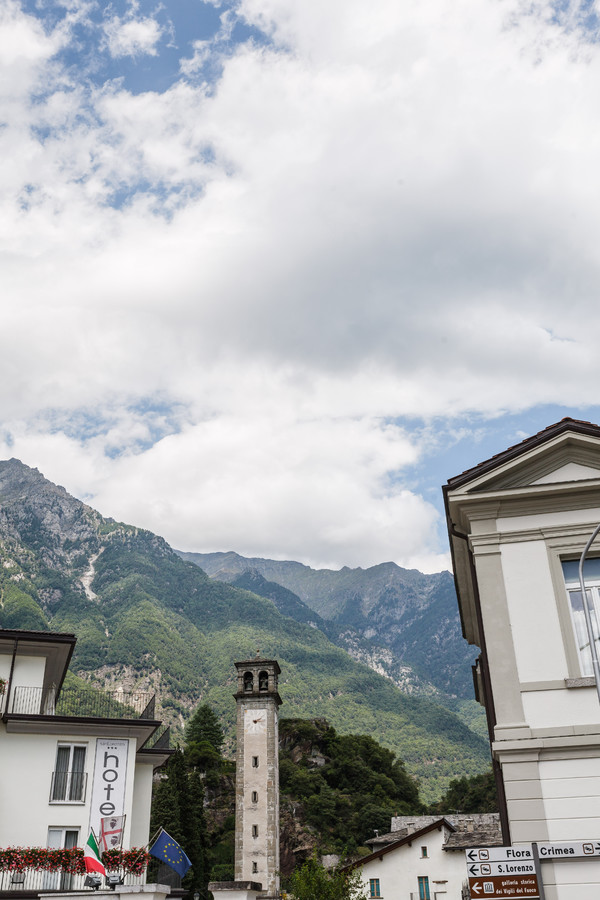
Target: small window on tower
x=254, y=868
x=248, y=682
x=263, y=681
x=255, y=796
x=255, y=831
x=255, y=762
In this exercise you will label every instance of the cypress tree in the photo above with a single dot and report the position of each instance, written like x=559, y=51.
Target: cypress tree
x=205, y=726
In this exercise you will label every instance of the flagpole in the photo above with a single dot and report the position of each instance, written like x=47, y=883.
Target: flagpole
x=151, y=841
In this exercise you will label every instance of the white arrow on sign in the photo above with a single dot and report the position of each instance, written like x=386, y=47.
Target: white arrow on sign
x=499, y=854
x=504, y=867
x=476, y=888
x=568, y=850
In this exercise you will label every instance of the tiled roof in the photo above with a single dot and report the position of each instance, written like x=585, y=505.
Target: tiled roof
x=472, y=830
x=480, y=837
x=567, y=424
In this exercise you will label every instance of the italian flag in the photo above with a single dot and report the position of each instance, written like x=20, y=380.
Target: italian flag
x=91, y=856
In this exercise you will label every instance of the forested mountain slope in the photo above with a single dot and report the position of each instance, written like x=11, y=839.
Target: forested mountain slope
x=399, y=621
x=145, y=618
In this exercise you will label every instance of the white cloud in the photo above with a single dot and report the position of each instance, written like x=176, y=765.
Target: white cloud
x=132, y=36
x=385, y=212
x=317, y=490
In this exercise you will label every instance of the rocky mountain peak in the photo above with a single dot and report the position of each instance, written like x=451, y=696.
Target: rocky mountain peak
x=39, y=514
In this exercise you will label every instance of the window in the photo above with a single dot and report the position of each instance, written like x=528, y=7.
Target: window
x=59, y=838
x=69, y=778
x=592, y=583
x=423, y=887
x=255, y=762
x=255, y=831
x=254, y=868
x=263, y=681
x=255, y=796
x=248, y=682
x=374, y=890
x=423, y=852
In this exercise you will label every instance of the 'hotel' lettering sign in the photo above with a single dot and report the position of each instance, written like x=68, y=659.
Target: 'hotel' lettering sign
x=110, y=778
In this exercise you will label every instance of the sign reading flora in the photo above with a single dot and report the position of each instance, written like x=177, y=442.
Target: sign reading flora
x=502, y=872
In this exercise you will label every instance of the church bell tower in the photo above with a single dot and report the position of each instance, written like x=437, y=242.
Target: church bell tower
x=257, y=774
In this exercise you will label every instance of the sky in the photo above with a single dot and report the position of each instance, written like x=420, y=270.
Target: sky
x=272, y=271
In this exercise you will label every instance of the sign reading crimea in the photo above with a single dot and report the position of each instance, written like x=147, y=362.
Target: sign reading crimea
x=568, y=850
x=497, y=872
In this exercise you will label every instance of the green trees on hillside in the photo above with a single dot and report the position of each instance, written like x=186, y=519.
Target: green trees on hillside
x=348, y=785
x=205, y=726
x=178, y=807
x=470, y=795
x=312, y=882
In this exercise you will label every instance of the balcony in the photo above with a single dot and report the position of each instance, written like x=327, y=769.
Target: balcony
x=80, y=703
x=30, y=881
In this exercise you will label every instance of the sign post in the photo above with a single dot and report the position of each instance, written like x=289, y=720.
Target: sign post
x=538, y=870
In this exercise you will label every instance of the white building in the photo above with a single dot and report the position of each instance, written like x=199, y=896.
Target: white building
x=423, y=857
x=68, y=758
x=518, y=524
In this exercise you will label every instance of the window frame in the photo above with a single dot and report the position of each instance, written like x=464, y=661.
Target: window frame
x=67, y=797
x=374, y=889
x=61, y=880
x=566, y=548
x=424, y=892
x=573, y=589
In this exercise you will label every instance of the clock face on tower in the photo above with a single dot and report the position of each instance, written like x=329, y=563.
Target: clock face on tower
x=255, y=721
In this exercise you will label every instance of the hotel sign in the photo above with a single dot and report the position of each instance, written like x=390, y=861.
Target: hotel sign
x=109, y=781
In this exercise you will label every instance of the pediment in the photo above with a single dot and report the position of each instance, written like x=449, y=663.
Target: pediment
x=564, y=459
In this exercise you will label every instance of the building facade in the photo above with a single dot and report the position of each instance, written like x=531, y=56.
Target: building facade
x=518, y=524
x=423, y=857
x=69, y=757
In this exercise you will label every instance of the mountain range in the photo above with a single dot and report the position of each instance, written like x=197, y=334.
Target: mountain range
x=147, y=619
x=400, y=622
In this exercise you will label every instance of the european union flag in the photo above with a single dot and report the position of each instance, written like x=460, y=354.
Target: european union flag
x=167, y=849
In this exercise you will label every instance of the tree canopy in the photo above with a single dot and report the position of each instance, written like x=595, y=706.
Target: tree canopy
x=470, y=795
x=312, y=881
x=205, y=726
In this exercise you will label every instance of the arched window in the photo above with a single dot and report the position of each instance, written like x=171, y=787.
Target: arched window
x=263, y=681
x=248, y=682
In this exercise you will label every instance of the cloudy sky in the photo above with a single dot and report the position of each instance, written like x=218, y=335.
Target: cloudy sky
x=273, y=270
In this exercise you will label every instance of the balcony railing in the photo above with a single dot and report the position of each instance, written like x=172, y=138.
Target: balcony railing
x=79, y=702
x=39, y=880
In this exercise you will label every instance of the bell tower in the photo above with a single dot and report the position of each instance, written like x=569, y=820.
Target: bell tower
x=257, y=774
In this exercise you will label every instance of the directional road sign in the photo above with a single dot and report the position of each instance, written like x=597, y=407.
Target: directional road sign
x=527, y=867
x=568, y=850
x=497, y=872
x=499, y=886
x=499, y=854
